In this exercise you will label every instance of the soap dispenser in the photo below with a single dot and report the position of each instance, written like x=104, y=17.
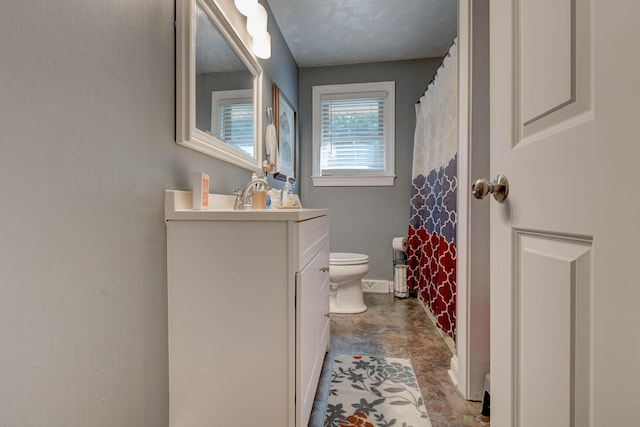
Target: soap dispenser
x=287, y=186
x=288, y=198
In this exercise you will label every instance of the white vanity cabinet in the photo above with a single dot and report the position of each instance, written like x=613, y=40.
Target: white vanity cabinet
x=248, y=304
x=312, y=312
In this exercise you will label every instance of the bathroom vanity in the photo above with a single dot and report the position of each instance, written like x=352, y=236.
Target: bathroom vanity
x=248, y=300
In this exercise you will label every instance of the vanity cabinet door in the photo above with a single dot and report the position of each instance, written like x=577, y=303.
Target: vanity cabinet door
x=312, y=330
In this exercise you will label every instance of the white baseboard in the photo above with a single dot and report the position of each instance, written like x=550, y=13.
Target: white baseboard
x=377, y=286
x=453, y=370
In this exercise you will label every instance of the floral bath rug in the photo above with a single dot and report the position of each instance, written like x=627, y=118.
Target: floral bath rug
x=370, y=391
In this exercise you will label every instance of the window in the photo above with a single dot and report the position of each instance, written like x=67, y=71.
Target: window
x=232, y=118
x=354, y=134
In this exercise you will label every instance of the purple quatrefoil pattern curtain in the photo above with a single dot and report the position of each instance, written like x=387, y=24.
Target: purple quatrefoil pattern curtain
x=432, y=225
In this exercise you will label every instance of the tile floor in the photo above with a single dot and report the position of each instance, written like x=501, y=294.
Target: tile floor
x=395, y=327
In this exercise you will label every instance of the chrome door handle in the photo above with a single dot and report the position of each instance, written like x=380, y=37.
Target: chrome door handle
x=499, y=187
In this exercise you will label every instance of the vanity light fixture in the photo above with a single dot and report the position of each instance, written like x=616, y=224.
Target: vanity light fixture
x=262, y=47
x=256, y=26
x=257, y=22
x=246, y=7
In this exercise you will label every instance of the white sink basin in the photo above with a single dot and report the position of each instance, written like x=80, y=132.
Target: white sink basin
x=179, y=206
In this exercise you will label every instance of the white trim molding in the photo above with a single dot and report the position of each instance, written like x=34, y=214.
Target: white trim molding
x=453, y=370
x=377, y=286
x=355, y=177
x=472, y=323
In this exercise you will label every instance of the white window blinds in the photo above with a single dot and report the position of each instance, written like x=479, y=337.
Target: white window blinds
x=352, y=134
x=236, y=125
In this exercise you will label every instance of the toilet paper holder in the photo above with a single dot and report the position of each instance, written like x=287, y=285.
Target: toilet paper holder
x=399, y=275
x=399, y=246
x=399, y=257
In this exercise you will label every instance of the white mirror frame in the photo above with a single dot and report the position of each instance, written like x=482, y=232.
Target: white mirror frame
x=186, y=132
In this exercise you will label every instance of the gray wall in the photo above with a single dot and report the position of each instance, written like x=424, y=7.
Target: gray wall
x=87, y=150
x=365, y=219
x=282, y=69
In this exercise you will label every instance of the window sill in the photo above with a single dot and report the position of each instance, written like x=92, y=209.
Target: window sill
x=353, y=181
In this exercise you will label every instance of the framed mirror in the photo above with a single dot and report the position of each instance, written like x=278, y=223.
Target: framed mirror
x=218, y=87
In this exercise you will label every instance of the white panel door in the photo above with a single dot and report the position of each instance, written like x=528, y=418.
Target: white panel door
x=565, y=282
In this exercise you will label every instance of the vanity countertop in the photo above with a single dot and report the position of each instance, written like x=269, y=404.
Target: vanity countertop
x=178, y=206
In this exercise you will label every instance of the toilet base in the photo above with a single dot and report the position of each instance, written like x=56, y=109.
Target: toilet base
x=348, y=311
x=347, y=298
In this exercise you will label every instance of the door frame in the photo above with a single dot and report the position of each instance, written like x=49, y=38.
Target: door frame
x=470, y=364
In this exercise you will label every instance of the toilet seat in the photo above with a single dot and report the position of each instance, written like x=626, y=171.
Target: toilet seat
x=346, y=258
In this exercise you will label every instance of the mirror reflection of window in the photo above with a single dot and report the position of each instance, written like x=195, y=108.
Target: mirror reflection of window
x=232, y=118
x=220, y=70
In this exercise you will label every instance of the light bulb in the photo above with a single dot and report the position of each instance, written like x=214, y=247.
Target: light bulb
x=246, y=7
x=257, y=22
x=262, y=47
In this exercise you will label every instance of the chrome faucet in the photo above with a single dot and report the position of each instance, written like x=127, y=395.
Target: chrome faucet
x=241, y=196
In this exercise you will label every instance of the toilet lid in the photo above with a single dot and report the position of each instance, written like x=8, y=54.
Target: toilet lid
x=345, y=258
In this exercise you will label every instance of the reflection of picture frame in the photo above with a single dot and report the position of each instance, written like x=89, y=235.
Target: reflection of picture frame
x=285, y=123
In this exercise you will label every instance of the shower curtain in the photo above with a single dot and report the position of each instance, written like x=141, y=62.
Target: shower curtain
x=432, y=225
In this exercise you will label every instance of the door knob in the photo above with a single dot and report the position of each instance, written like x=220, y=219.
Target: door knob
x=499, y=187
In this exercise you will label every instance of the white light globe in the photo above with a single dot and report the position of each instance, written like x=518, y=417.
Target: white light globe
x=262, y=47
x=257, y=22
x=246, y=7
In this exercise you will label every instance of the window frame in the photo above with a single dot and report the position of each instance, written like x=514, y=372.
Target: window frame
x=229, y=97
x=355, y=91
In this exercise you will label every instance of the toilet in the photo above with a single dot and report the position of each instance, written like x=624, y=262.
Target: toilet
x=346, y=271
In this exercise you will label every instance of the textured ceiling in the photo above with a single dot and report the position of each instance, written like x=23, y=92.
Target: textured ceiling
x=329, y=32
